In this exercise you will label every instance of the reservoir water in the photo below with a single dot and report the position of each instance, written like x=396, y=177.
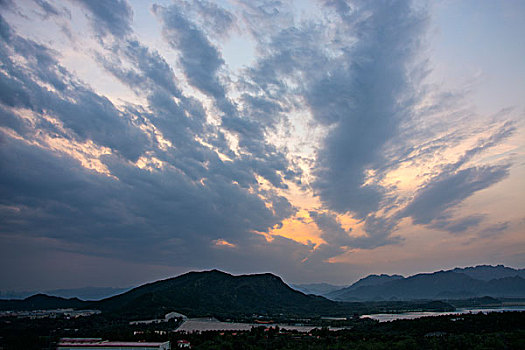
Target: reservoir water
x=459, y=311
x=212, y=324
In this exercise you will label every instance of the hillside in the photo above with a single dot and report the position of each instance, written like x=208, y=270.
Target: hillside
x=321, y=289
x=370, y=280
x=452, y=284
x=219, y=294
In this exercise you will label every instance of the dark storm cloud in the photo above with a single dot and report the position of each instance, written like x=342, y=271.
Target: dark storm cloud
x=359, y=91
x=12, y=121
x=199, y=58
x=109, y=16
x=213, y=19
x=151, y=71
x=363, y=98
x=174, y=213
x=152, y=76
x=150, y=217
x=364, y=91
x=378, y=230
x=6, y=3
x=202, y=63
x=85, y=114
x=191, y=206
x=448, y=190
x=333, y=233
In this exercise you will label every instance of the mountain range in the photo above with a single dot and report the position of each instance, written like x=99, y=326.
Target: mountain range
x=85, y=293
x=459, y=283
x=219, y=294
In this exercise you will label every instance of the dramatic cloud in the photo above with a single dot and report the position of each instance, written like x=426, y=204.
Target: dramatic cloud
x=109, y=17
x=199, y=58
x=446, y=191
x=365, y=97
x=128, y=140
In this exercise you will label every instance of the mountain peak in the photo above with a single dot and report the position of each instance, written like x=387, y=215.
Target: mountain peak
x=213, y=292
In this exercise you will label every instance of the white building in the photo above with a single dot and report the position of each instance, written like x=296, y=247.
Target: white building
x=99, y=344
x=183, y=344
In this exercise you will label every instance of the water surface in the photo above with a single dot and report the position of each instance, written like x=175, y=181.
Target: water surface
x=459, y=311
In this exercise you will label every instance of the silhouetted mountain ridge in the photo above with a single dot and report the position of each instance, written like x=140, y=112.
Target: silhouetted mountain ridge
x=488, y=272
x=321, y=289
x=459, y=283
x=217, y=293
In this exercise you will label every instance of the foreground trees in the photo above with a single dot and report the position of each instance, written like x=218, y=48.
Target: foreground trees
x=473, y=331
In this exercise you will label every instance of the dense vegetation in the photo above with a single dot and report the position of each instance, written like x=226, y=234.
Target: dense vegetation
x=472, y=331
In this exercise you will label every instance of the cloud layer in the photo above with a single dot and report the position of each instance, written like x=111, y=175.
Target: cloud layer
x=200, y=165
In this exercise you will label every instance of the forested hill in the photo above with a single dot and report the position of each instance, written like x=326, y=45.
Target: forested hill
x=218, y=293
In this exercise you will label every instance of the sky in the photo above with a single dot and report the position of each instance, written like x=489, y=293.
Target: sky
x=318, y=140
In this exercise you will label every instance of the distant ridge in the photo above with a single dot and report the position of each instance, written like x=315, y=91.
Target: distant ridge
x=459, y=283
x=85, y=293
x=219, y=294
x=488, y=272
x=370, y=280
x=41, y=302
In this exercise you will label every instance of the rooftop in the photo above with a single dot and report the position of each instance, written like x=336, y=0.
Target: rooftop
x=97, y=342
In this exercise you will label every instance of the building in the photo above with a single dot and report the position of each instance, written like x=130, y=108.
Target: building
x=166, y=318
x=183, y=344
x=98, y=343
